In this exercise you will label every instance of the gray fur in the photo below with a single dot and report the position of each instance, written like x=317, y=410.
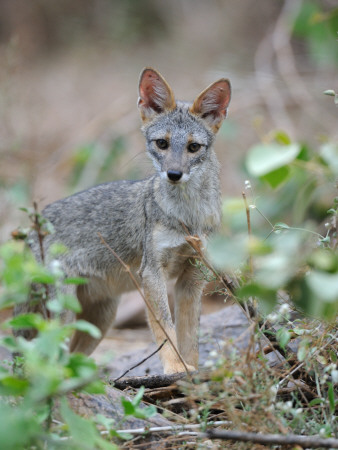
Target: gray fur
x=145, y=222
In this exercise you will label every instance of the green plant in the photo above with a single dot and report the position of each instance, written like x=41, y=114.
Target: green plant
x=281, y=244
x=34, y=386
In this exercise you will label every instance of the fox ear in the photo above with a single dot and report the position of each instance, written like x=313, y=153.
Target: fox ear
x=211, y=105
x=155, y=95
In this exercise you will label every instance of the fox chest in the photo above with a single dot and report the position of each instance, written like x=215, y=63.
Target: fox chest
x=172, y=251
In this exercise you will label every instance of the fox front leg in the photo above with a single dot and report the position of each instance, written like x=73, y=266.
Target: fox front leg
x=159, y=318
x=189, y=288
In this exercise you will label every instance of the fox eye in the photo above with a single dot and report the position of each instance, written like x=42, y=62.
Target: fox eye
x=194, y=147
x=162, y=144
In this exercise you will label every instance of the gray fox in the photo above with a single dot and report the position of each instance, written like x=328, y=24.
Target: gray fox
x=146, y=222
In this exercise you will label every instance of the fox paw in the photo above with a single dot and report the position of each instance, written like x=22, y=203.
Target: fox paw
x=178, y=368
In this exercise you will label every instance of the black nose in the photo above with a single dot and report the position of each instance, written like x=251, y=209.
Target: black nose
x=174, y=175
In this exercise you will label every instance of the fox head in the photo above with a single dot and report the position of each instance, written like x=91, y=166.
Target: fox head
x=179, y=135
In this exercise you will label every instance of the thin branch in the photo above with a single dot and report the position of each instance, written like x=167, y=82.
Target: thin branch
x=149, y=381
x=230, y=435
x=150, y=308
x=272, y=439
x=172, y=429
x=41, y=236
x=141, y=362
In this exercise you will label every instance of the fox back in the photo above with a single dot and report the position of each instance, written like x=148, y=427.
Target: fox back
x=146, y=222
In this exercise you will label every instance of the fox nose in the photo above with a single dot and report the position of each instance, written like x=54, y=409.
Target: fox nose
x=174, y=175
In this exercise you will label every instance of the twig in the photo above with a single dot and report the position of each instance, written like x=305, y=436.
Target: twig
x=272, y=439
x=41, y=236
x=149, y=381
x=265, y=439
x=173, y=429
x=141, y=362
x=137, y=286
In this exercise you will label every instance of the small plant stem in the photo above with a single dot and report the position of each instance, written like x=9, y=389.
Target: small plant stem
x=49, y=419
x=38, y=229
x=307, y=231
x=150, y=308
x=173, y=429
x=41, y=236
x=264, y=217
x=248, y=219
x=320, y=395
x=141, y=362
x=271, y=439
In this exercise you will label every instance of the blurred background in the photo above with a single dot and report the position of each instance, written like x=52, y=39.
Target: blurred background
x=69, y=74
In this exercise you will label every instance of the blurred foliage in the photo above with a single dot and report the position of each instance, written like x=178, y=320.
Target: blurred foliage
x=318, y=26
x=41, y=26
x=43, y=369
x=293, y=184
x=96, y=163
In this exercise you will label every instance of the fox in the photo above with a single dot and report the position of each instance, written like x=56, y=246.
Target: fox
x=146, y=223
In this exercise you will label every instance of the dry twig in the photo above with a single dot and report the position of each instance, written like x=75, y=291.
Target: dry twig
x=148, y=381
x=141, y=362
x=272, y=439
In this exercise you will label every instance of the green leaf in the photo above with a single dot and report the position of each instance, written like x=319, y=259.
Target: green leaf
x=283, y=337
x=330, y=92
x=277, y=177
x=324, y=285
x=226, y=253
x=265, y=158
x=316, y=401
x=267, y=297
x=329, y=152
x=145, y=413
x=282, y=138
x=82, y=431
x=95, y=387
x=120, y=435
x=54, y=306
x=128, y=407
x=325, y=260
x=76, y=280
x=29, y=320
x=138, y=397
x=333, y=356
x=43, y=278
x=18, y=427
x=302, y=352
x=86, y=327
x=62, y=302
x=12, y=385
x=330, y=394
x=281, y=226
x=49, y=340
x=57, y=249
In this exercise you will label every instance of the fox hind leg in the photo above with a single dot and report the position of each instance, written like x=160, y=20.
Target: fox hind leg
x=98, y=309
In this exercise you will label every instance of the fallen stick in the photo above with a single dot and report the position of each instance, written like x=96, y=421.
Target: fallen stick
x=148, y=381
x=180, y=429
x=265, y=439
x=141, y=362
x=272, y=439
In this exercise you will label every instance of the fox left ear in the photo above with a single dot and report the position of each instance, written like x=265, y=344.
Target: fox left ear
x=211, y=105
x=155, y=94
